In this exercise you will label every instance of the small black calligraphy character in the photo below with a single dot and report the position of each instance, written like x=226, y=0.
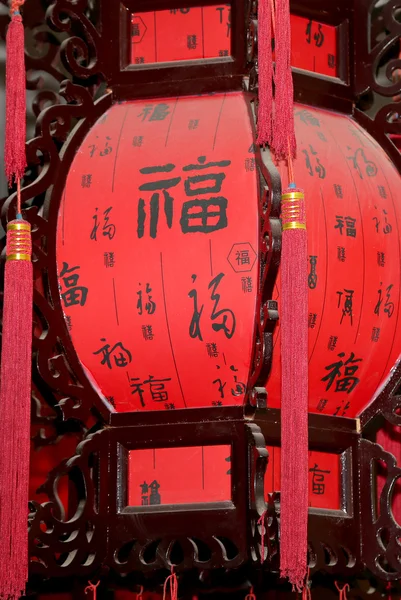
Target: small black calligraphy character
x=153, y=112
x=242, y=257
x=116, y=355
x=212, y=350
x=86, y=181
x=312, y=277
x=346, y=304
x=331, y=61
x=338, y=190
x=388, y=305
x=318, y=480
x=227, y=316
x=228, y=459
x=194, y=327
x=333, y=339
x=321, y=136
x=308, y=118
x=345, y=381
x=139, y=60
x=150, y=305
x=341, y=254
x=220, y=387
x=246, y=284
x=381, y=259
x=150, y=495
x=382, y=192
x=250, y=165
x=193, y=124
x=321, y=404
x=387, y=227
x=349, y=223
x=93, y=149
x=192, y=42
x=68, y=322
x=156, y=387
x=147, y=332
x=108, y=260
x=312, y=320
x=223, y=52
x=137, y=141
x=375, y=334
x=108, y=229
x=217, y=403
x=135, y=32
x=155, y=187
x=72, y=293
x=169, y=406
x=344, y=410
x=319, y=168
x=362, y=165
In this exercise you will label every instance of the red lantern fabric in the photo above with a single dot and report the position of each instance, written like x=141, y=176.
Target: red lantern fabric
x=157, y=252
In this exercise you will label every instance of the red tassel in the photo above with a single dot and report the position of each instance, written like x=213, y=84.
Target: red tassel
x=284, y=143
x=15, y=402
x=265, y=72
x=294, y=392
x=15, y=134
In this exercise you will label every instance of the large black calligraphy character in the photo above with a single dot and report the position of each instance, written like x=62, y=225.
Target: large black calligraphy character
x=343, y=373
x=74, y=294
x=157, y=389
x=116, y=355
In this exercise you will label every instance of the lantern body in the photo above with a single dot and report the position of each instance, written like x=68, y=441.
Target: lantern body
x=354, y=263
x=159, y=278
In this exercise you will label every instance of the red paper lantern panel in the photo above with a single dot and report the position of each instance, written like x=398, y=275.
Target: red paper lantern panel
x=157, y=246
x=353, y=216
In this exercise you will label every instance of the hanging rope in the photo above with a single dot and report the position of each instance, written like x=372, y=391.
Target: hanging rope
x=173, y=583
x=92, y=588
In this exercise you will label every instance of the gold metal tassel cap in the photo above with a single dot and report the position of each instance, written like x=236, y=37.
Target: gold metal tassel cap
x=293, y=210
x=19, y=244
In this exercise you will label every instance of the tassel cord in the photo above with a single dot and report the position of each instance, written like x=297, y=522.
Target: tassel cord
x=92, y=588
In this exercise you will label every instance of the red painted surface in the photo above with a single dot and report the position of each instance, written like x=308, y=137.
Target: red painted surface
x=324, y=478
x=181, y=34
x=353, y=217
x=314, y=46
x=163, y=319
x=179, y=475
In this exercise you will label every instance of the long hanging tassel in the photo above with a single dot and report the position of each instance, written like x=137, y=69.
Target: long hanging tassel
x=15, y=134
x=15, y=383
x=284, y=142
x=294, y=389
x=15, y=402
x=265, y=73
